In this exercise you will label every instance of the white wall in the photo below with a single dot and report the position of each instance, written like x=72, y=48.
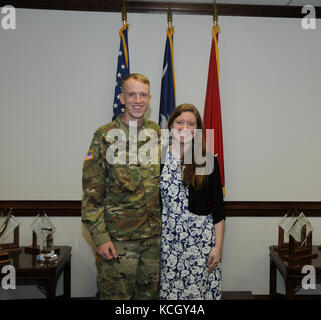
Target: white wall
x=56, y=87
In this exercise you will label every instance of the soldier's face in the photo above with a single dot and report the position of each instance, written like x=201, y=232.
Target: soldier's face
x=136, y=98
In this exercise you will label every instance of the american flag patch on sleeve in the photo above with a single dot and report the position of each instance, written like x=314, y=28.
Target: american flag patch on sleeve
x=90, y=155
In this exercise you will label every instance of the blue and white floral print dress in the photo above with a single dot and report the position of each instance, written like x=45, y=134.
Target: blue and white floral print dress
x=187, y=240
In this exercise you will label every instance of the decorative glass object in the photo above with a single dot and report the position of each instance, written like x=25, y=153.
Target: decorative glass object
x=44, y=230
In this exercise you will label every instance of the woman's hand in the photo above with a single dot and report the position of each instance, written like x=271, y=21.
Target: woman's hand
x=214, y=259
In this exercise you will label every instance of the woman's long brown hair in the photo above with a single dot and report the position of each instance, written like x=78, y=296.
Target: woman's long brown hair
x=189, y=176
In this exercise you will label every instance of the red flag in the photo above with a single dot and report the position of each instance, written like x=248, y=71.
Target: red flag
x=212, y=109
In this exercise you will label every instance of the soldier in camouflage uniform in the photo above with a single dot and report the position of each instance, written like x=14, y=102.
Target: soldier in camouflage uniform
x=120, y=205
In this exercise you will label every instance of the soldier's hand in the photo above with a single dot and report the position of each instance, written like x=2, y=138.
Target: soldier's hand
x=107, y=250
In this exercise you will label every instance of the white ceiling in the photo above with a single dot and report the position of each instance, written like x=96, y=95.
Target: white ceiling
x=316, y=3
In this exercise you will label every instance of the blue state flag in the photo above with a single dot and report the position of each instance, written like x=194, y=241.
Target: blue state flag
x=168, y=99
x=122, y=70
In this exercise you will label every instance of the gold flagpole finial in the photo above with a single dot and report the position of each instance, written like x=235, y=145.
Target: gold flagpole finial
x=124, y=13
x=215, y=14
x=169, y=17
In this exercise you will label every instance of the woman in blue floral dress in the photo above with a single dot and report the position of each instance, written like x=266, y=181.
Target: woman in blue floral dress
x=192, y=216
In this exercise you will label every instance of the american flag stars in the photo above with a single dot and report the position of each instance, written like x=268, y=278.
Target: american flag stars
x=122, y=70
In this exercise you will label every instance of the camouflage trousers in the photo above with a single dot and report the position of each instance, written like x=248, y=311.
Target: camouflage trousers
x=135, y=275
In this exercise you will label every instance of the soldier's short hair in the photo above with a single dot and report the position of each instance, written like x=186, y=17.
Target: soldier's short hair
x=137, y=76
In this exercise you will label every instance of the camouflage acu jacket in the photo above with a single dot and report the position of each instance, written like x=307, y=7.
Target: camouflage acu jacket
x=121, y=200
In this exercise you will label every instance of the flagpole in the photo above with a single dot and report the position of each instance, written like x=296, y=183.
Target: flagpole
x=122, y=63
x=170, y=32
x=169, y=17
x=124, y=13
x=212, y=118
x=215, y=14
x=215, y=32
x=168, y=95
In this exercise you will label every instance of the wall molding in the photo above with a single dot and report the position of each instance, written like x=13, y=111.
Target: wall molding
x=271, y=208
x=58, y=208
x=72, y=208
x=162, y=7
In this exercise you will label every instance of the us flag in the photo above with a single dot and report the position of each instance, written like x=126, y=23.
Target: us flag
x=122, y=70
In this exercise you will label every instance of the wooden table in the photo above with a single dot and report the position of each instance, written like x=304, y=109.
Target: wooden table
x=28, y=268
x=291, y=273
